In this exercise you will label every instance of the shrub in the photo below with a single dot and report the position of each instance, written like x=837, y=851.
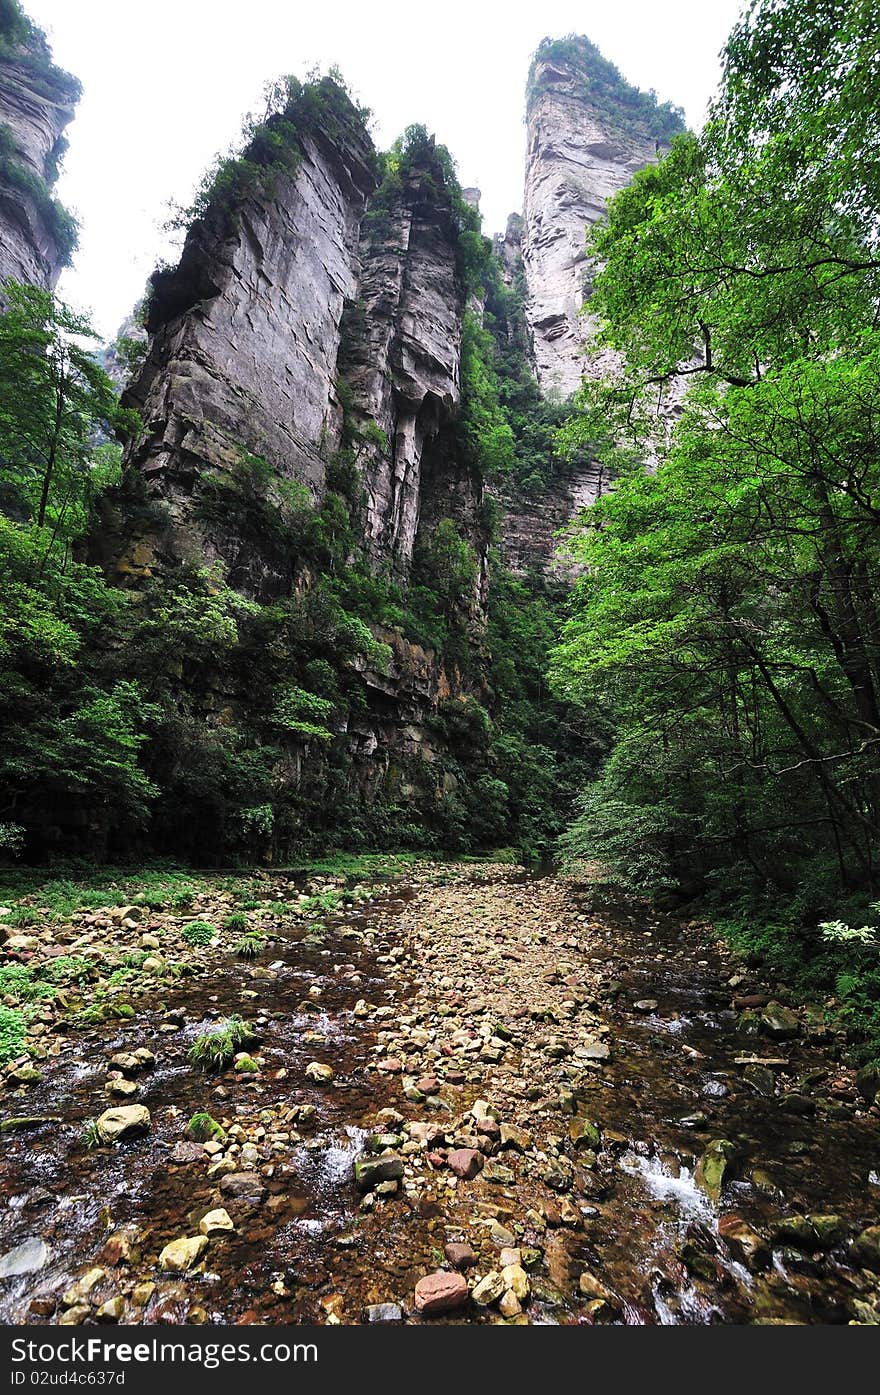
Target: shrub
x=198, y=932
x=214, y=1051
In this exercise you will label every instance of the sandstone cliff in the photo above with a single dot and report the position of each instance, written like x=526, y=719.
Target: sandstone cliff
x=37, y=101
x=307, y=343
x=588, y=134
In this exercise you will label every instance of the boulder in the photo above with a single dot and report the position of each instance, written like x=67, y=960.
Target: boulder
x=440, y=1292
x=182, y=1254
x=710, y=1171
x=779, y=1022
x=32, y=1254
x=125, y=1121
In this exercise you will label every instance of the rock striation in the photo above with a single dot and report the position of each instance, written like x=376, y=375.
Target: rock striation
x=37, y=102
x=582, y=150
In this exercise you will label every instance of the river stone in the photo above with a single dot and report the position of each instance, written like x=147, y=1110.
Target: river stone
x=584, y=1134
x=369, y=1172
x=125, y=1121
x=111, y=1311
x=32, y=1254
x=780, y=1022
x=517, y=1139
x=866, y=1248
x=383, y=1312
x=81, y=1288
x=319, y=1072
x=465, y=1162
x=216, y=1222
x=761, y=1079
x=645, y=1005
x=516, y=1280
x=710, y=1171
x=244, y=1186
x=121, y=1089
x=180, y=1255
x=489, y=1289
x=868, y=1082
x=460, y=1255
x=744, y=1243
x=26, y=1075
x=440, y=1292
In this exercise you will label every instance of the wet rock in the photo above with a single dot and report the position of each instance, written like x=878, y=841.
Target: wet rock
x=645, y=1005
x=27, y=1258
x=515, y=1138
x=441, y=1292
x=460, y=1255
x=82, y=1287
x=465, y=1162
x=812, y=1232
x=25, y=1075
x=509, y=1305
x=489, y=1289
x=246, y=1187
x=516, y=1281
x=383, y=1312
x=779, y=1022
x=124, y=1122
x=712, y=1167
x=74, y=1317
x=498, y=1175
x=591, y=1287
x=370, y=1171
x=319, y=1072
x=865, y=1249
x=558, y=1175
x=216, y=1222
x=761, y=1080
x=868, y=1082
x=744, y=1243
x=121, y=1088
x=180, y=1255
x=113, y=1310
x=585, y=1134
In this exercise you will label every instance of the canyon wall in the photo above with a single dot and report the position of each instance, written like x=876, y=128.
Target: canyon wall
x=37, y=102
x=588, y=133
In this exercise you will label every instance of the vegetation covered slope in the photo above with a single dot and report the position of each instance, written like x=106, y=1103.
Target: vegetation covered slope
x=727, y=620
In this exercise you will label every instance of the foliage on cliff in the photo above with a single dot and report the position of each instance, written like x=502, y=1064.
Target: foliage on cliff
x=599, y=82
x=728, y=617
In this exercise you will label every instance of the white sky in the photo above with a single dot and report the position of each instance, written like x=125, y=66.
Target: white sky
x=166, y=85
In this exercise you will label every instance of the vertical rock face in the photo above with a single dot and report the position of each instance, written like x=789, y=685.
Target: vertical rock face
x=583, y=148
x=402, y=356
x=37, y=101
x=245, y=334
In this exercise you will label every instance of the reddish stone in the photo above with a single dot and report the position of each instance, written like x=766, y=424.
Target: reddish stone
x=455, y=1077
x=460, y=1256
x=436, y=1159
x=465, y=1162
x=429, y=1084
x=390, y=1065
x=440, y=1292
x=750, y=1000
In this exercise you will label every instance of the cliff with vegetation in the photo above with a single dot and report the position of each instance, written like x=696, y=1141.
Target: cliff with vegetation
x=37, y=102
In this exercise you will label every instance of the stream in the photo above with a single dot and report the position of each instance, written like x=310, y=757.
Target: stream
x=460, y=987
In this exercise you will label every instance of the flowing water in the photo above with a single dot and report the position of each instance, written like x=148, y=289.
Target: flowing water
x=309, y=1253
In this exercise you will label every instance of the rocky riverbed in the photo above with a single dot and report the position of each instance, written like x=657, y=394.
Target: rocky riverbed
x=465, y=1094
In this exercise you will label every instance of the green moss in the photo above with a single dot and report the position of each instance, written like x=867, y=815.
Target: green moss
x=203, y=1129
x=61, y=224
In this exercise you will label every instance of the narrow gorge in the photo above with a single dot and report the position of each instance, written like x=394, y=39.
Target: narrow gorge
x=439, y=704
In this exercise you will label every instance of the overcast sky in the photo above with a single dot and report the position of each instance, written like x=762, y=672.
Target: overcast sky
x=166, y=85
